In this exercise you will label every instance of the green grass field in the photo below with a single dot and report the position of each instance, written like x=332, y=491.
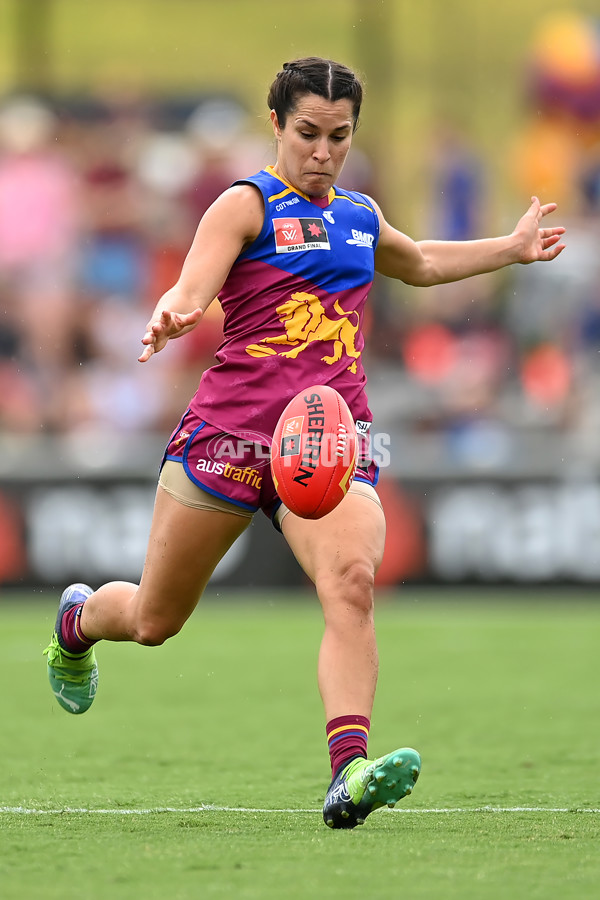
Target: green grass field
x=201, y=769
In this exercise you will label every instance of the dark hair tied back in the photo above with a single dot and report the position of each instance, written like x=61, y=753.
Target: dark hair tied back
x=314, y=75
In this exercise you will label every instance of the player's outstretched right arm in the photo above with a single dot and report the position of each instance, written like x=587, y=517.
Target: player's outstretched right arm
x=232, y=222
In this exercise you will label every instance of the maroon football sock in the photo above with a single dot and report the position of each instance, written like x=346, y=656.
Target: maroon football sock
x=347, y=736
x=72, y=637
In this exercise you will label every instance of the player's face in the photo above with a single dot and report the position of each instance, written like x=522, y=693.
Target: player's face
x=313, y=145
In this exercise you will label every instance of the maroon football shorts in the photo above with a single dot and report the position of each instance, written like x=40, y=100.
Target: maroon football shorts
x=233, y=467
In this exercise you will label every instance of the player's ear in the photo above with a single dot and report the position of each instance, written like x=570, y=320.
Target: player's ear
x=275, y=124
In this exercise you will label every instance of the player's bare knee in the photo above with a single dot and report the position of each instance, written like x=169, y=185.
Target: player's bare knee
x=351, y=590
x=153, y=634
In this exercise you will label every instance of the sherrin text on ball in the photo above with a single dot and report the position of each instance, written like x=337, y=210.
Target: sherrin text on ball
x=314, y=451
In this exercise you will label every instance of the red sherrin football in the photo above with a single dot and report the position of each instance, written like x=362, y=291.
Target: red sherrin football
x=313, y=454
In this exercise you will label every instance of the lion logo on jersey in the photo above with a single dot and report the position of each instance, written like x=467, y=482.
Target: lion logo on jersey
x=304, y=319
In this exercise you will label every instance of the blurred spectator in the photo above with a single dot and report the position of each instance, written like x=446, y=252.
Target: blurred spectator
x=458, y=189
x=39, y=222
x=111, y=392
x=562, y=107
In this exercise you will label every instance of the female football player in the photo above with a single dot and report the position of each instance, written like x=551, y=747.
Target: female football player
x=291, y=258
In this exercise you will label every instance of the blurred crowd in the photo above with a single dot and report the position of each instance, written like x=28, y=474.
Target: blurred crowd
x=99, y=201
x=98, y=205
x=497, y=356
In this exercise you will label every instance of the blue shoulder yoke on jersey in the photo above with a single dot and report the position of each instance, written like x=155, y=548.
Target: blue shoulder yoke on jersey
x=332, y=247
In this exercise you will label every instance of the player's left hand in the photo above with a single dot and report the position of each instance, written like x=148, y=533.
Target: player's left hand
x=535, y=243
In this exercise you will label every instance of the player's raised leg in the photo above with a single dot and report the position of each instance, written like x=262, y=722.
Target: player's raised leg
x=184, y=547
x=341, y=554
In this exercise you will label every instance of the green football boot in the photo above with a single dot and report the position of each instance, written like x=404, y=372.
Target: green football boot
x=364, y=785
x=73, y=676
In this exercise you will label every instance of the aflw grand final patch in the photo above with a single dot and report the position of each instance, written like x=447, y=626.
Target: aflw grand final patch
x=294, y=235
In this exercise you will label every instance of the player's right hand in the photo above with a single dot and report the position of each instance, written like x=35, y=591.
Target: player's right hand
x=167, y=325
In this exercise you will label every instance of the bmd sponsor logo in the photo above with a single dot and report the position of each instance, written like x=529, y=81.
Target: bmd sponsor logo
x=361, y=239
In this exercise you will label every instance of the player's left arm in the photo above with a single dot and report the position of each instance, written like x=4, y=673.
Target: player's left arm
x=425, y=263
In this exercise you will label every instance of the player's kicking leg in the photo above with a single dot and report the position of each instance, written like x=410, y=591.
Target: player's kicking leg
x=341, y=554
x=363, y=785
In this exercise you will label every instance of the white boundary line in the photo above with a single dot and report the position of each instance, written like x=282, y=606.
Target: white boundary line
x=23, y=810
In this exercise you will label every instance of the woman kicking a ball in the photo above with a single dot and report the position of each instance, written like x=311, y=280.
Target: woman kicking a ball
x=280, y=251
